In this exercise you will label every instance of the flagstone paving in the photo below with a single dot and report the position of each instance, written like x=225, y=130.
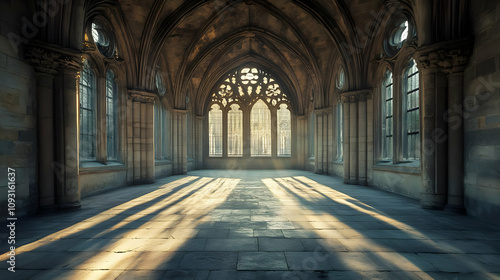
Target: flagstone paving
x=213, y=224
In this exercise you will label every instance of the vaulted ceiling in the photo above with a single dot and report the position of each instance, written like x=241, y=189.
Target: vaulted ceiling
x=196, y=42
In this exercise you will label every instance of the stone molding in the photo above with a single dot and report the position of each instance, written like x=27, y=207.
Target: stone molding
x=448, y=57
x=141, y=96
x=178, y=111
x=355, y=96
x=50, y=59
x=322, y=111
x=43, y=60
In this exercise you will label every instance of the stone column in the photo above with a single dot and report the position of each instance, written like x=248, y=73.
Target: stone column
x=199, y=120
x=143, y=136
x=321, y=146
x=454, y=116
x=179, y=129
x=45, y=64
x=362, y=147
x=434, y=88
x=301, y=136
x=68, y=194
x=318, y=142
x=346, y=134
x=355, y=133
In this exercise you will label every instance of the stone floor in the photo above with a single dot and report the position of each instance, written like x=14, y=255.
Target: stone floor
x=253, y=225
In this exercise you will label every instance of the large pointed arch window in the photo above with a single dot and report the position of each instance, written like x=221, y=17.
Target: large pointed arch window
x=87, y=113
x=111, y=116
x=235, y=131
x=249, y=109
x=387, y=129
x=411, y=145
x=260, y=124
x=215, y=131
x=284, y=131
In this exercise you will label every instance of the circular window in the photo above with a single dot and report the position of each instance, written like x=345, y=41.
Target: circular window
x=399, y=35
x=340, y=80
x=159, y=84
x=103, y=39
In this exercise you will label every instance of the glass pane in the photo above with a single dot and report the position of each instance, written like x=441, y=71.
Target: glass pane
x=215, y=131
x=387, y=113
x=235, y=131
x=260, y=125
x=111, y=117
x=284, y=131
x=412, y=149
x=87, y=113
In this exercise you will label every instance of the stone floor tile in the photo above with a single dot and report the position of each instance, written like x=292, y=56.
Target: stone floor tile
x=280, y=244
x=213, y=233
x=299, y=233
x=232, y=244
x=157, y=232
x=454, y=262
x=241, y=233
x=209, y=261
x=261, y=261
x=268, y=233
x=307, y=261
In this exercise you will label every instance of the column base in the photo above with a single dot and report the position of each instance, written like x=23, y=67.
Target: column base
x=69, y=206
x=46, y=209
x=144, y=181
x=432, y=201
x=351, y=181
x=456, y=209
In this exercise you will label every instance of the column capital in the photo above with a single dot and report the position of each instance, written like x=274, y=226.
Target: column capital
x=447, y=57
x=141, y=96
x=355, y=96
x=43, y=60
x=322, y=111
x=178, y=111
x=49, y=59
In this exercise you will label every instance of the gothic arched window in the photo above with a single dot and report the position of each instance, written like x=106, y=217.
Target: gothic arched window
x=260, y=125
x=411, y=110
x=87, y=113
x=387, y=125
x=249, y=107
x=284, y=131
x=235, y=131
x=111, y=116
x=215, y=131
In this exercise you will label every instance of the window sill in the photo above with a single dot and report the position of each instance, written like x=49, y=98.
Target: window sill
x=339, y=161
x=162, y=162
x=409, y=167
x=87, y=167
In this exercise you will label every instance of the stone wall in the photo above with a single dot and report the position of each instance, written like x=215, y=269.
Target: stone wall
x=481, y=112
x=18, y=137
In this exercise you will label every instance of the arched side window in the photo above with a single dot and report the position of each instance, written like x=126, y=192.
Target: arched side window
x=235, y=131
x=284, y=131
x=411, y=109
x=260, y=124
x=87, y=86
x=111, y=116
x=340, y=131
x=387, y=113
x=215, y=131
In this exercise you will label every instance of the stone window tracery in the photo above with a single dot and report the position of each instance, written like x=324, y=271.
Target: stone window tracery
x=251, y=90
